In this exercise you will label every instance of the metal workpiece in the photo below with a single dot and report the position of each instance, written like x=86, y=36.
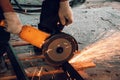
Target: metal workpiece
x=20, y=71
x=16, y=64
x=62, y=48
x=74, y=75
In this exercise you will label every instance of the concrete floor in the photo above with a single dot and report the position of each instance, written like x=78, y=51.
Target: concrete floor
x=93, y=20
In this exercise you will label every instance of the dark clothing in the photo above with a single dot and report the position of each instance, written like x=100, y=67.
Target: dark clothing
x=1, y=14
x=49, y=17
x=4, y=36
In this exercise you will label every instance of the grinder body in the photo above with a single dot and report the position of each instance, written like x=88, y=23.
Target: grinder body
x=34, y=36
x=57, y=47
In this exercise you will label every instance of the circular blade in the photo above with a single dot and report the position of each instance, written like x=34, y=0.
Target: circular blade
x=59, y=48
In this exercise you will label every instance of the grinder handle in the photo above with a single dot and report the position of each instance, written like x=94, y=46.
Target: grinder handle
x=32, y=35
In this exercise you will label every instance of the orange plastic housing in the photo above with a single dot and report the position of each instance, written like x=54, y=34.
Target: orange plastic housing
x=33, y=35
x=2, y=23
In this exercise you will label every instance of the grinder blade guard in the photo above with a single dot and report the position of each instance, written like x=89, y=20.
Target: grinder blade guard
x=59, y=48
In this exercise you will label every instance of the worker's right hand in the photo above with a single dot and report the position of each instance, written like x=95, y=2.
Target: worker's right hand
x=13, y=24
x=65, y=13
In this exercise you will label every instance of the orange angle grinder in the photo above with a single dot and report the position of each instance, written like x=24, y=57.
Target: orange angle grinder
x=57, y=48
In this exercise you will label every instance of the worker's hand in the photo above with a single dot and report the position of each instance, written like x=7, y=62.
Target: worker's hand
x=13, y=24
x=65, y=13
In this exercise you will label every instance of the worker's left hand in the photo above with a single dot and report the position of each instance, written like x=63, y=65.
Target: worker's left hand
x=13, y=24
x=65, y=13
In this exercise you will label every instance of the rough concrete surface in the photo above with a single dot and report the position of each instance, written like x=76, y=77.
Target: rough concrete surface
x=93, y=20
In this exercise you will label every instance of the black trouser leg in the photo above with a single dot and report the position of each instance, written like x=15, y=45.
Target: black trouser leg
x=48, y=19
x=5, y=36
x=49, y=16
x=3, y=67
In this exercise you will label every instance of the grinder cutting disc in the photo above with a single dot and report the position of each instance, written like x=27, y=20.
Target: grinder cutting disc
x=59, y=48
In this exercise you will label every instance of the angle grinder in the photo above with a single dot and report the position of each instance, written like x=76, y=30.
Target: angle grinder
x=57, y=48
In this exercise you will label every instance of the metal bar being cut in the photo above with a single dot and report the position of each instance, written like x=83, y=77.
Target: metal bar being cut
x=17, y=66
x=72, y=72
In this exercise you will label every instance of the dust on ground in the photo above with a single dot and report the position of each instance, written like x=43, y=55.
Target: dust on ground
x=93, y=20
